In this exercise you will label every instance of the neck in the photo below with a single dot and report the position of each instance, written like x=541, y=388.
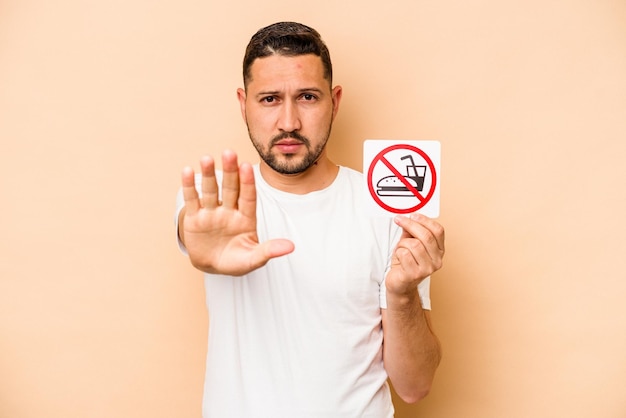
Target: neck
x=317, y=177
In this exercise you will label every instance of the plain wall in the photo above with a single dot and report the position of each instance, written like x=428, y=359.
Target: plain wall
x=103, y=102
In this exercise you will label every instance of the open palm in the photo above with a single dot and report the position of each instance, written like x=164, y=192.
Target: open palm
x=221, y=235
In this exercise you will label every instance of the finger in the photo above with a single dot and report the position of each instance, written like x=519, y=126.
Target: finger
x=230, y=182
x=408, y=263
x=190, y=194
x=415, y=260
x=247, y=193
x=422, y=244
x=430, y=232
x=210, y=197
x=435, y=228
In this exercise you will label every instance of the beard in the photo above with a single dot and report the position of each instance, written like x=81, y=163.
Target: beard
x=290, y=163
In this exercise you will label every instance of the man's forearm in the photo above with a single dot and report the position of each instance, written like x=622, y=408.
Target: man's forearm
x=411, y=351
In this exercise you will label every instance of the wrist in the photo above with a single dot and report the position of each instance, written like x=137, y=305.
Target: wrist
x=402, y=299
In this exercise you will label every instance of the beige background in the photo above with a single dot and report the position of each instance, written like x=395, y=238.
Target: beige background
x=103, y=102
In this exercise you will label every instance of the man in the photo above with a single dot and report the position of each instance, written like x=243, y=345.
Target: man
x=312, y=303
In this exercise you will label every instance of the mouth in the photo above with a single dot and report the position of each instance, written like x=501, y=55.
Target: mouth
x=289, y=145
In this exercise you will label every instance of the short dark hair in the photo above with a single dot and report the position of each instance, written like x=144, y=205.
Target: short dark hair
x=288, y=39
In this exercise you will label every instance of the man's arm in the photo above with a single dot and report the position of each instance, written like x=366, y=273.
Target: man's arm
x=411, y=351
x=220, y=235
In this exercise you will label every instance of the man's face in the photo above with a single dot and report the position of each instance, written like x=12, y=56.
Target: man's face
x=289, y=108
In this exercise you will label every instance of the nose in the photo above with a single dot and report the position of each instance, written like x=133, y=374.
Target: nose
x=289, y=118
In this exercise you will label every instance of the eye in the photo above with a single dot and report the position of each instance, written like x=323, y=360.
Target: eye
x=268, y=99
x=308, y=97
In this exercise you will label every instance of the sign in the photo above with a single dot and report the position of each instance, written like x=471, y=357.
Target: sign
x=402, y=177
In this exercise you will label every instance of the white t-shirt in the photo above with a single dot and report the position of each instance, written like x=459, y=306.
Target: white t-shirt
x=301, y=336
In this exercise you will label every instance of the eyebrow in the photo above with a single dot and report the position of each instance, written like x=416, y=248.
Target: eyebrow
x=299, y=91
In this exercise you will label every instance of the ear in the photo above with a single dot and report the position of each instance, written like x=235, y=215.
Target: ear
x=336, y=95
x=241, y=96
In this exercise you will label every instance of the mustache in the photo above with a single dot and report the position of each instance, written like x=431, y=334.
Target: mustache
x=292, y=135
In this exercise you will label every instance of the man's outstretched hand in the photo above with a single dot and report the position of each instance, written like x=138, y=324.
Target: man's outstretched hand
x=221, y=236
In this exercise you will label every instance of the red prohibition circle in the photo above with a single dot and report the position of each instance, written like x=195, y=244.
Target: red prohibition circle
x=379, y=159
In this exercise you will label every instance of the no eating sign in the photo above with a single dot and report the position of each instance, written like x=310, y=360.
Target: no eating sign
x=402, y=177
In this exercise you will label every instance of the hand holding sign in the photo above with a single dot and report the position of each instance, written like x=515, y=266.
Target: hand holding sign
x=419, y=253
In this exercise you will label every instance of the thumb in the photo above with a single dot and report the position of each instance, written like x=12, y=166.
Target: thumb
x=271, y=249
x=403, y=222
